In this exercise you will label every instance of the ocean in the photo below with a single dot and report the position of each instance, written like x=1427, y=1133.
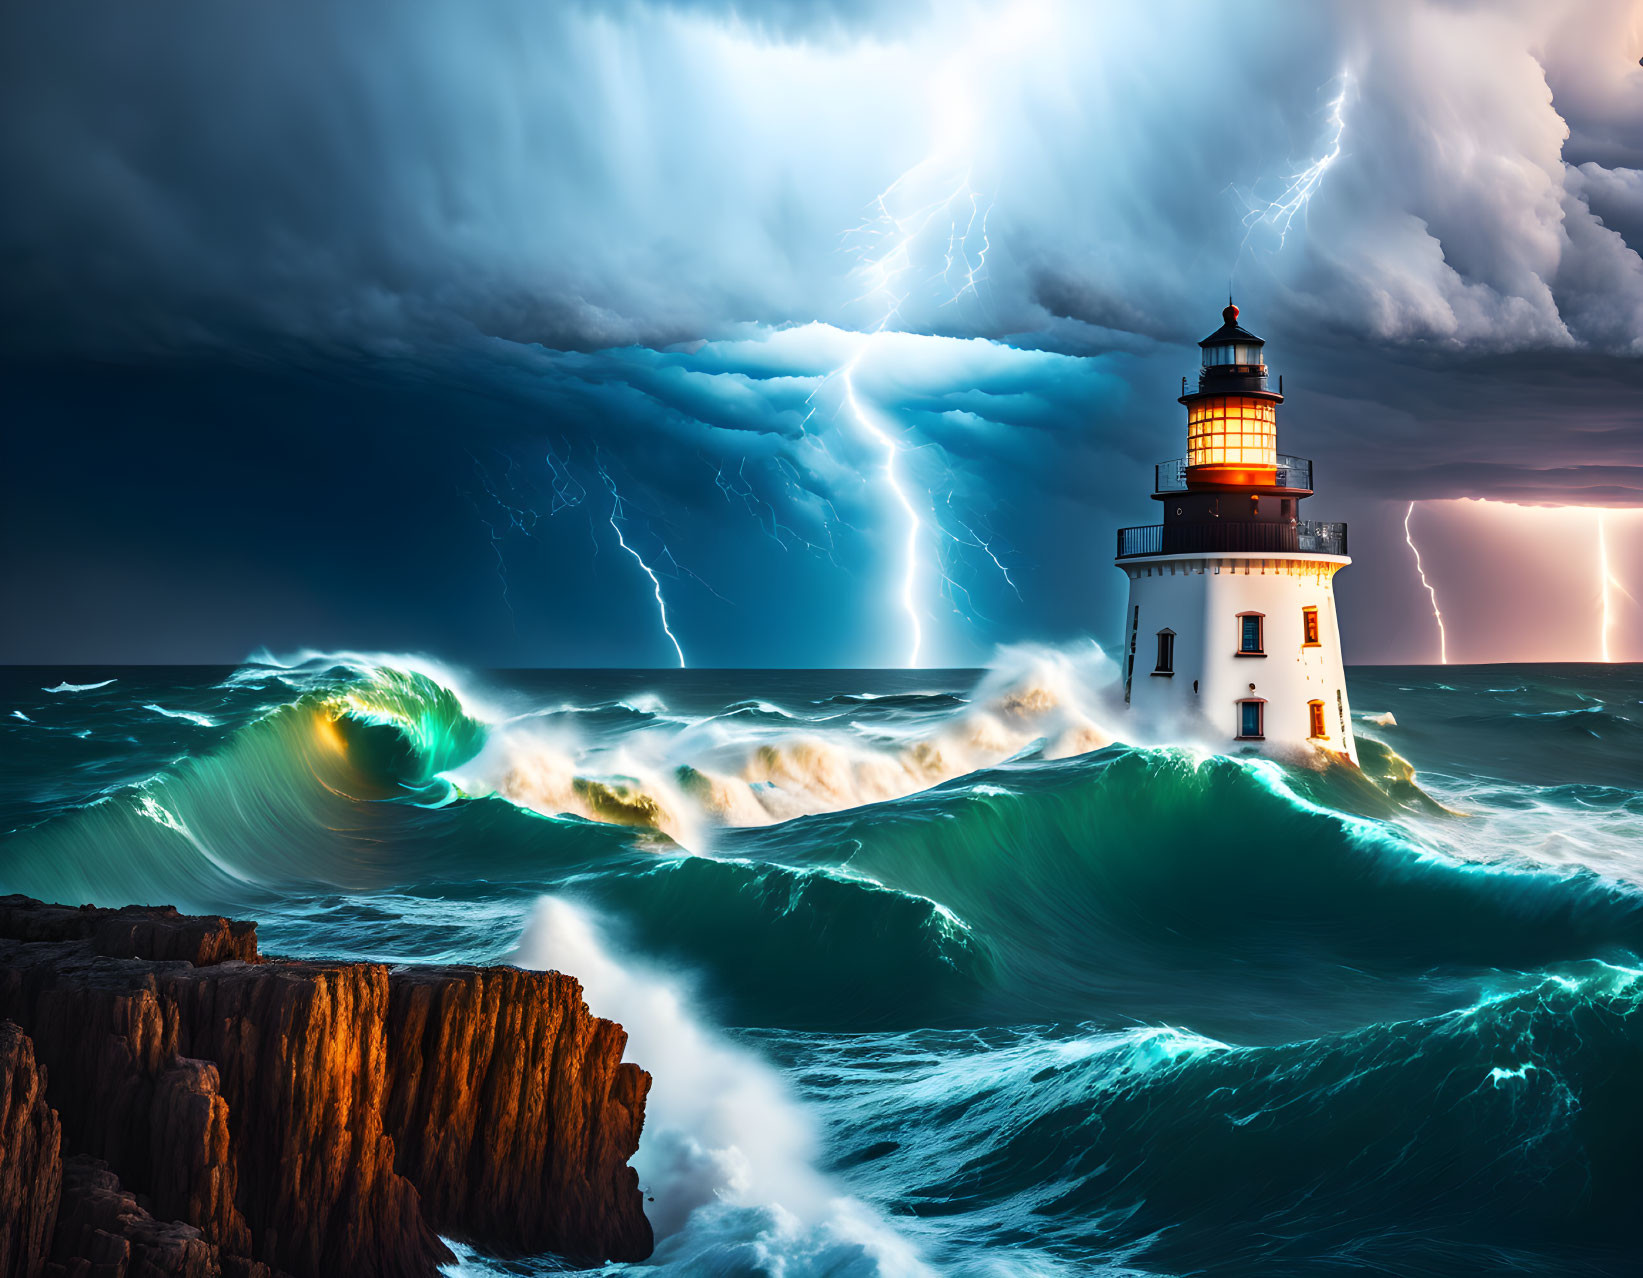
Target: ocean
x=935, y=973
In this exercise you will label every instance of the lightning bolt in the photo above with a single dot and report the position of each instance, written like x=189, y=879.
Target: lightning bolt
x=517, y=518
x=617, y=514
x=983, y=544
x=1607, y=578
x=568, y=492
x=1610, y=585
x=1443, y=638
x=1301, y=186
x=520, y=512
x=736, y=486
x=934, y=202
x=892, y=454
x=974, y=272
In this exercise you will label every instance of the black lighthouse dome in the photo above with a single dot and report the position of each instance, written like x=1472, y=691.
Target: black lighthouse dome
x=1234, y=359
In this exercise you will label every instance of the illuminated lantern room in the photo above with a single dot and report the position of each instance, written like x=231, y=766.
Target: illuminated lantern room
x=1232, y=418
x=1231, y=598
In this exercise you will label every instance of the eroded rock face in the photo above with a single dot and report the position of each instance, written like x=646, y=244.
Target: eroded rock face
x=134, y=931
x=29, y=1157
x=513, y=1114
x=104, y=1232
x=328, y=1118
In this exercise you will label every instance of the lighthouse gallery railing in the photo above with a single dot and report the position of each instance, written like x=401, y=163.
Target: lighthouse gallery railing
x=1292, y=472
x=1306, y=537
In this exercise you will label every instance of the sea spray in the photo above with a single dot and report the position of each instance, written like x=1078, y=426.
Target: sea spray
x=1127, y=1011
x=684, y=778
x=728, y=1158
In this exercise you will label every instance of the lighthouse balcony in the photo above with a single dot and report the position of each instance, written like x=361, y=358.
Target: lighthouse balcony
x=1294, y=474
x=1233, y=536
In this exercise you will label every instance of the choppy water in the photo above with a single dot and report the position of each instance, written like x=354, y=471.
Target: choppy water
x=933, y=973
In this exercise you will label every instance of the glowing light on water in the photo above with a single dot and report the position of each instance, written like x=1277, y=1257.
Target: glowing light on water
x=1437, y=613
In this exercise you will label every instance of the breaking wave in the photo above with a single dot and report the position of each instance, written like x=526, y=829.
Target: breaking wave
x=1009, y=994
x=1478, y=1140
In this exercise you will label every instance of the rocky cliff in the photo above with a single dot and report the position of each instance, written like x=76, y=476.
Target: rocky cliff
x=248, y=1113
x=30, y=1162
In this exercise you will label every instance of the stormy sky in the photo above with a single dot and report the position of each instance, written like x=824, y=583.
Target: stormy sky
x=839, y=330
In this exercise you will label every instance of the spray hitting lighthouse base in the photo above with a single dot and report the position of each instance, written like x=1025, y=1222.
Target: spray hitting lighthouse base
x=1230, y=627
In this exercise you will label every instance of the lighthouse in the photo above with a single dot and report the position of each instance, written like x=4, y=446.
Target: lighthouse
x=1230, y=626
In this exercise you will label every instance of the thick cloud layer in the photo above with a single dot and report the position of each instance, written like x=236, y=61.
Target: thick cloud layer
x=604, y=261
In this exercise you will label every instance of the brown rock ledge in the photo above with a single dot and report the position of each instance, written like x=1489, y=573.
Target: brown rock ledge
x=250, y=1114
x=30, y=1161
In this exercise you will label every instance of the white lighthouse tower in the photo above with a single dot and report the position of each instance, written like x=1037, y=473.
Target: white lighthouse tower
x=1231, y=624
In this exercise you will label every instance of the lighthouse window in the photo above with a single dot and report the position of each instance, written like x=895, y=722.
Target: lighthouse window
x=1309, y=629
x=1232, y=430
x=1166, y=653
x=1250, y=626
x=1238, y=353
x=1250, y=716
x=1319, y=727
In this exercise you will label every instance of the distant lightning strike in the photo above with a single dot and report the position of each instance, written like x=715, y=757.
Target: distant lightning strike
x=616, y=515
x=1609, y=585
x=519, y=518
x=934, y=196
x=567, y=489
x=986, y=547
x=521, y=513
x=928, y=205
x=892, y=454
x=1300, y=187
x=1443, y=638
x=736, y=486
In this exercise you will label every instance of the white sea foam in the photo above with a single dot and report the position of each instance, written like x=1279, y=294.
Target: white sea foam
x=727, y=1160
x=205, y=721
x=294, y=669
x=78, y=687
x=686, y=779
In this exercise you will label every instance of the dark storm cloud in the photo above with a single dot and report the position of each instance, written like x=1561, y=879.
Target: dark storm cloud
x=1572, y=485
x=527, y=242
x=582, y=178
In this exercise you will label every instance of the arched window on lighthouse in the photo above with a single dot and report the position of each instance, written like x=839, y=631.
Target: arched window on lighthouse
x=1166, y=653
x=1251, y=626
